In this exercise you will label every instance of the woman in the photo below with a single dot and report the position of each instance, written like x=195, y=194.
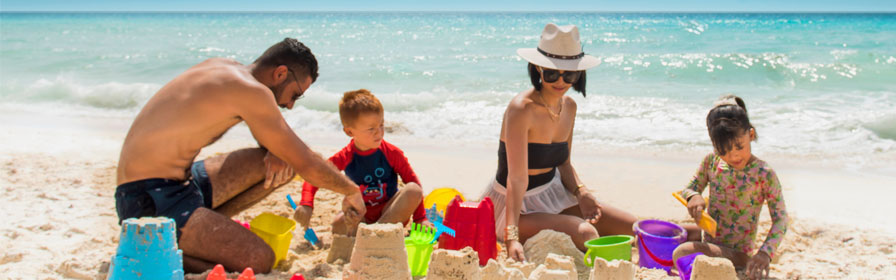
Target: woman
x=536, y=187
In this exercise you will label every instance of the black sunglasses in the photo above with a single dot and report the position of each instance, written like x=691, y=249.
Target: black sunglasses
x=551, y=75
x=301, y=94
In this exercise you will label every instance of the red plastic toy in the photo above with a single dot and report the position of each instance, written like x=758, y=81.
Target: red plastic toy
x=218, y=273
x=474, y=226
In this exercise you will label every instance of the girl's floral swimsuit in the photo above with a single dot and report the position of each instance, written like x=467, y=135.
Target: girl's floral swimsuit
x=735, y=201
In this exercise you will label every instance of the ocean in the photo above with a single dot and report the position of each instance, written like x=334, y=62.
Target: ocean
x=814, y=84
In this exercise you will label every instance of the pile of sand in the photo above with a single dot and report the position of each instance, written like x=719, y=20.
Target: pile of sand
x=548, y=241
x=379, y=253
x=452, y=264
x=495, y=271
x=709, y=268
x=341, y=248
x=614, y=270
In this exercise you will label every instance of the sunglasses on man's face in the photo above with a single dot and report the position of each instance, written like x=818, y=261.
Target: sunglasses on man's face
x=551, y=75
x=301, y=94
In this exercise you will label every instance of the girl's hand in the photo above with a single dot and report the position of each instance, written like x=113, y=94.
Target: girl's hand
x=696, y=205
x=757, y=266
x=589, y=206
x=515, y=250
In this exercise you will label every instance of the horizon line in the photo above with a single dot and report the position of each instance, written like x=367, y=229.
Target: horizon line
x=445, y=11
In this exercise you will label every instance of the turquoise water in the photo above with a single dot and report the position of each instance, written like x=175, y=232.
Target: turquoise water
x=814, y=83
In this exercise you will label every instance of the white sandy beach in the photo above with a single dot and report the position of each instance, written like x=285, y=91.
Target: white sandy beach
x=58, y=183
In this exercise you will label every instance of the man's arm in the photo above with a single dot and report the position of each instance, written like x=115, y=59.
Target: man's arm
x=256, y=106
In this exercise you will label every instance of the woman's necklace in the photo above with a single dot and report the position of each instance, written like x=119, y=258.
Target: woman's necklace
x=550, y=112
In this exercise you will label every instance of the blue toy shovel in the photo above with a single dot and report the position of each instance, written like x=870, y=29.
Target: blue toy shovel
x=433, y=216
x=309, y=233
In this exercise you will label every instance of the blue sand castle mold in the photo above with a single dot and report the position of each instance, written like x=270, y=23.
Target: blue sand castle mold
x=147, y=249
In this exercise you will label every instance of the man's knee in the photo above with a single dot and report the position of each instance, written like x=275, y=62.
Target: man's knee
x=260, y=259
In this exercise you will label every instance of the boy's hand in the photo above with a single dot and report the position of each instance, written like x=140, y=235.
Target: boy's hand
x=757, y=266
x=696, y=205
x=277, y=172
x=303, y=215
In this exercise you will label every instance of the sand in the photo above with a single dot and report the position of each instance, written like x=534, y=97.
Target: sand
x=546, y=242
x=379, y=254
x=614, y=270
x=57, y=180
x=453, y=264
x=341, y=248
x=709, y=268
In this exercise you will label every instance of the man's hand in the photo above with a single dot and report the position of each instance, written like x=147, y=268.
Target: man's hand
x=353, y=210
x=757, y=266
x=696, y=205
x=303, y=215
x=277, y=172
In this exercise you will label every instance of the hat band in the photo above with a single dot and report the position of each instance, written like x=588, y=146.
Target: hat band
x=580, y=55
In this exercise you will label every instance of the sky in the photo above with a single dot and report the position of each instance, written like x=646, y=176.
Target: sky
x=455, y=5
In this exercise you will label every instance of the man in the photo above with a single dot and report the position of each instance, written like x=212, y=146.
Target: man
x=157, y=175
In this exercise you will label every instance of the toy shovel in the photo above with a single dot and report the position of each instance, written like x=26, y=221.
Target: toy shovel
x=707, y=223
x=309, y=233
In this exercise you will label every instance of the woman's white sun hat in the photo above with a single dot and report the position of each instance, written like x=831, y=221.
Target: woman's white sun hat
x=559, y=48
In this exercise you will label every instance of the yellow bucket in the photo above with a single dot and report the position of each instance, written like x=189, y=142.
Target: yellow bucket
x=441, y=197
x=276, y=231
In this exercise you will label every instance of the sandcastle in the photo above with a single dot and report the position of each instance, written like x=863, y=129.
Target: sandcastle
x=706, y=268
x=614, y=270
x=495, y=271
x=341, y=248
x=451, y=264
x=379, y=253
x=548, y=241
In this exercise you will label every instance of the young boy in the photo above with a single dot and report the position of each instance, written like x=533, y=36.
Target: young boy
x=374, y=165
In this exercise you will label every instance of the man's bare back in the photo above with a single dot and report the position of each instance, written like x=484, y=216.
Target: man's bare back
x=185, y=115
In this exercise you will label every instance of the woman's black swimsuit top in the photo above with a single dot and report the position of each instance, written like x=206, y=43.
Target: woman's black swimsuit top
x=540, y=156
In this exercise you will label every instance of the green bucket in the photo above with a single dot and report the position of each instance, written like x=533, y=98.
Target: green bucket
x=611, y=247
x=418, y=256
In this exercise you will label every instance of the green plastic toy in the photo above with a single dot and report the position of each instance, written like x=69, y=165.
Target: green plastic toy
x=419, y=248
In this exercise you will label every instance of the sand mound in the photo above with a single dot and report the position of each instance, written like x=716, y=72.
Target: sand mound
x=525, y=268
x=379, y=253
x=565, y=263
x=452, y=264
x=708, y=268
x=614, y=270
x=341, y=248
x=544, y=273
x=548, y=241
x=495, y=271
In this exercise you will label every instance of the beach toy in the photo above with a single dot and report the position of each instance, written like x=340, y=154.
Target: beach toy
x=656, y=242
x=244, y=224
x=218, y=273
x=611, y=247
x=440, y=198
x=474, y=223
x=309, y=233
x=419, y=247
x=276, y=231
x=147, y=249
x=433, y=216
x=297, y=276
x=707, y=223
x=685, y=264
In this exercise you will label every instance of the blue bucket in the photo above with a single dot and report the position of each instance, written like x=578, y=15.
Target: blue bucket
x=147, y=249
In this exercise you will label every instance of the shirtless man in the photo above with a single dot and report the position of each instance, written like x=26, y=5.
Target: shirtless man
x=158, y=177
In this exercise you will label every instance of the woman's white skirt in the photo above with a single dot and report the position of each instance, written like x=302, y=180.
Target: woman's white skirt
x=550, y=198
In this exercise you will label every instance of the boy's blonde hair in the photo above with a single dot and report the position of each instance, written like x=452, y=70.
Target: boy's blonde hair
x=357, y=102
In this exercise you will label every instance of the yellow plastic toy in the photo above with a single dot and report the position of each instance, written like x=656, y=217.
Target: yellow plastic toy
x=707, y=223
x=276, y=231
x=441, y=197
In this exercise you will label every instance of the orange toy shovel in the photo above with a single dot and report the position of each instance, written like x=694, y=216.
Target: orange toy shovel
x=707, y=223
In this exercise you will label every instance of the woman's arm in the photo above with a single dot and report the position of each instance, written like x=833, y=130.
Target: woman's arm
x=517, y=121
x=568, y=174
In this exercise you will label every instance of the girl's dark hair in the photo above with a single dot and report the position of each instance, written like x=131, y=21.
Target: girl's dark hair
x=293, y=54
x=535, y=77
x=726, y=122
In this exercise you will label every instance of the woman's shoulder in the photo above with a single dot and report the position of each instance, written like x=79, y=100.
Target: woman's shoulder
x=522, y=102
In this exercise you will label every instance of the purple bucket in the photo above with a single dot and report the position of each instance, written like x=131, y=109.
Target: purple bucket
x=685, y=265
x=656, y=242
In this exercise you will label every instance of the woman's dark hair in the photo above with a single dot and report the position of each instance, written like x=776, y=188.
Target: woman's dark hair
x=535, y=77
x=726, y=122
x=293, y=54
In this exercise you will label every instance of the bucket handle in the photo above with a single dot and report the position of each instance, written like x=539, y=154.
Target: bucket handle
x=656, y=259
x=588, y=260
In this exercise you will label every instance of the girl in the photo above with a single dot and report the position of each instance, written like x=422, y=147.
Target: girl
x=739, y=183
